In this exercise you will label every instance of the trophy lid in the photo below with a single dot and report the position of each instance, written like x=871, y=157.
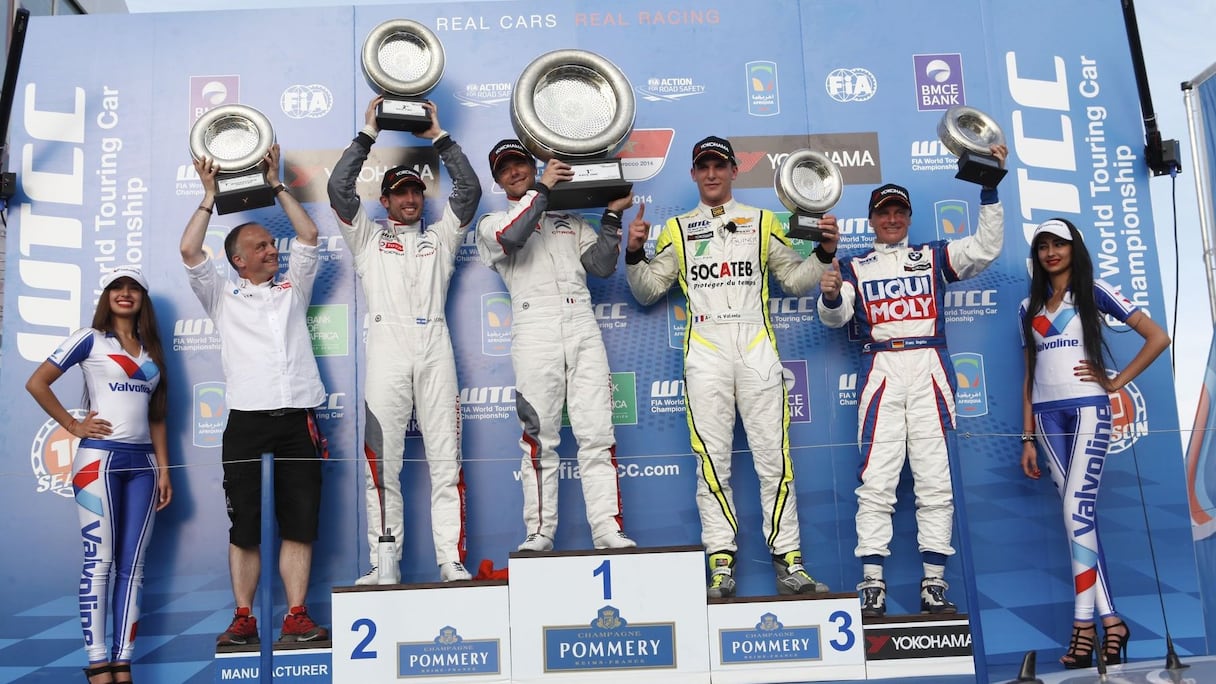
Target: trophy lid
x=808, y=181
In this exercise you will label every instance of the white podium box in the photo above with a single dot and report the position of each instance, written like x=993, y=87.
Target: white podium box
x=813, y=638
x=292, y=664
x=634, y=615
x=455, y=632
x=918, y=646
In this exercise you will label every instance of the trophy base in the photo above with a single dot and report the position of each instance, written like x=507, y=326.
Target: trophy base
x=805, y=227
x=980, y=169
x=242, y=192
x=402, y=114
x=596, y=183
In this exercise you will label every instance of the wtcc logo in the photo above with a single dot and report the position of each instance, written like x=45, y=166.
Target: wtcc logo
x=851, y=85
x=932, y=155
x=669, y=88
x=489, y=94
x=611, y=315
x=846, y=389
x=311, y=101
x=487, y=403
x=1128, y=417
x=51, y=455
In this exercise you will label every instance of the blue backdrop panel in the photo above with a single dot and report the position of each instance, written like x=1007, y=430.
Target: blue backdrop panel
x=104, y=178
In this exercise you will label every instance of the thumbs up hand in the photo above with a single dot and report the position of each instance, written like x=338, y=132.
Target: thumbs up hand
x=829, y=282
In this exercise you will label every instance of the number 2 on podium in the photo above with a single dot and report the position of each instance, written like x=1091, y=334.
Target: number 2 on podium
x=605, y=569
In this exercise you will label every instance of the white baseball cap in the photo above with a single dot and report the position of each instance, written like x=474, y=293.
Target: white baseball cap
x=1056, y=227
x=131, y=271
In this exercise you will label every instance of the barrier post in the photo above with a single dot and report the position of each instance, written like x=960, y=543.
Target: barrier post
x=266, y=576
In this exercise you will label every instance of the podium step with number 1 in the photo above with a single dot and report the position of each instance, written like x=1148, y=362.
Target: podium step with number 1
x=606, y=615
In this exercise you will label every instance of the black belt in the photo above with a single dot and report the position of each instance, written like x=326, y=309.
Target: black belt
x=276, y=413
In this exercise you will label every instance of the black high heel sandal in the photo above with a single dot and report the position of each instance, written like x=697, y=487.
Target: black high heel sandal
x=91, y=672
x=1114, y=644
x=1080, y=648
x=121, y=667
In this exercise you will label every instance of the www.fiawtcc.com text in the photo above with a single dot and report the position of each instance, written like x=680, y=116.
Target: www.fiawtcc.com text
x=568, y=470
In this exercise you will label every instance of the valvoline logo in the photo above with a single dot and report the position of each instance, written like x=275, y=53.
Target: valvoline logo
x=1047, y=326
x=890, y=300
x=147, y=371
x=51, y=455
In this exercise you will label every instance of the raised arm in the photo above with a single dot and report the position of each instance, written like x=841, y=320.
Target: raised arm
x=306, y=230
x=191, y=246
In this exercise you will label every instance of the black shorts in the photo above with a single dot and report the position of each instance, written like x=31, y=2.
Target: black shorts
x=297, y=474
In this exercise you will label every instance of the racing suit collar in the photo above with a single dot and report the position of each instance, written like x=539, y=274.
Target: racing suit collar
x=716, y=212
x=397, y=228
x=885, y=248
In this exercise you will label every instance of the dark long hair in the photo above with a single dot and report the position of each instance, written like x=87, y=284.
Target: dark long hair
x=149, y=337
x=1081, y=284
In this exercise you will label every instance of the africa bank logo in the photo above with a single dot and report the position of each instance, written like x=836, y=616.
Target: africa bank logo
x=951, y=218
x=971, y=397
x=763, y=98
x=1128, y=417
x=496, y=324
x=677, y=319
x=51, y=455
x=210, y=414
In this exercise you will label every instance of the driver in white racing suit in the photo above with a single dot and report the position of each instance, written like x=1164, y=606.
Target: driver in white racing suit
x=405, y=265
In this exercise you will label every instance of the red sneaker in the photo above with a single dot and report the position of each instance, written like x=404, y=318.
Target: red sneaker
x=243, y=630
x=298, y=626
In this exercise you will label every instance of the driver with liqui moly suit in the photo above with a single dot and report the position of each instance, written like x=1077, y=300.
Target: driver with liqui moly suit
x=895, y=292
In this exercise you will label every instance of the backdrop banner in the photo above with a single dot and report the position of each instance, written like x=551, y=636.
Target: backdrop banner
x=104, y=178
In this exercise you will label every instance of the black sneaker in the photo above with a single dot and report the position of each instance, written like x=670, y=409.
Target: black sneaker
x=933, y=597
x=873, y=595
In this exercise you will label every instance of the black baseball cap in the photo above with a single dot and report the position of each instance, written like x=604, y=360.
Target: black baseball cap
x=398, y=177
x=890, y=193
x=504, y=150
x=719, y=147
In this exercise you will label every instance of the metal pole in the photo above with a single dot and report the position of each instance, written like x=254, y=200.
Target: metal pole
x=266, y=577
x=1202, y=167
x=964, y=551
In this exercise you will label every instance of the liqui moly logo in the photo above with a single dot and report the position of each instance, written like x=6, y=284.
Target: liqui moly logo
x=909, y=298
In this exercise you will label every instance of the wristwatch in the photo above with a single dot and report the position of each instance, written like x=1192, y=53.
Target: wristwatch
x=1027, y=437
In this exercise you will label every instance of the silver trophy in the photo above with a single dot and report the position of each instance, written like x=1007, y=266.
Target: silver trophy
x=403, y=60
x=968, y=133
x=578, y=107
x=809, y=184
x=237, y=137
